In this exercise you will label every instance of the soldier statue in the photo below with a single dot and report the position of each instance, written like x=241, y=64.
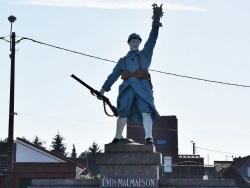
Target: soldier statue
x=135, y=101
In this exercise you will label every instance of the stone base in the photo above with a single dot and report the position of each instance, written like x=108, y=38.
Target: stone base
x=129, y=165
x=64, y=183
x=129, y=148
x=131, y=182
x=129, y=176
x=163, y=183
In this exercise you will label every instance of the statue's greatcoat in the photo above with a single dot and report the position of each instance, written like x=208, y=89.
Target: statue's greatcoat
x=138, y=89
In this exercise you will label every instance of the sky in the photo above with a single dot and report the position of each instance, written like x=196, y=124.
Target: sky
x=206, y=39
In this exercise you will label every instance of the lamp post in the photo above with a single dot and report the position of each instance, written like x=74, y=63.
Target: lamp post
x=9, y=174
x=193, y=147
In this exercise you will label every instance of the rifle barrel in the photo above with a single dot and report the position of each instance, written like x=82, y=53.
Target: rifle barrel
x=82, y=82
x=92, y=90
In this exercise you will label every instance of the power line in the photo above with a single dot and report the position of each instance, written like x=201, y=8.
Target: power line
x=3, y=38
x=216, y=133
x=59, y=118
x=72, y=51
x=162, y=72
x=201, y=79
x=220, y=151
x=71, y=119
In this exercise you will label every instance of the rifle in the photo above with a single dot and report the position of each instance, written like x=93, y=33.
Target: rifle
x=98, y=95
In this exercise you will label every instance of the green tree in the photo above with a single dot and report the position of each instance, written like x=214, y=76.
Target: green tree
x=73, y=153
x=58, y=145
x=38, y=142
x=84, y=154
x=91, y=154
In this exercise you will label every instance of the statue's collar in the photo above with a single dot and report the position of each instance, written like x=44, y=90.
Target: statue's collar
x=132, y=53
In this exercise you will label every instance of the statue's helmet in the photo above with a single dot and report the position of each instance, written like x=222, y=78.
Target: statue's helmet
x=134, y=36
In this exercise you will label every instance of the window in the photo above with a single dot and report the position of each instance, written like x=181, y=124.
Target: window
x=161, y=141
x=167, y=164
x=248, y=172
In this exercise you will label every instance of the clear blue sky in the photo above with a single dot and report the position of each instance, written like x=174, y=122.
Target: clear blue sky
x=206, y=39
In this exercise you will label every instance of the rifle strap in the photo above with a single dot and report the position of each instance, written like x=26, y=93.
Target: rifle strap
x=104, y=106
x=138, y=59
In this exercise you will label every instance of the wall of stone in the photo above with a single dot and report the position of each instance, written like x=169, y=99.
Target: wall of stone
x=163, y=183
x=56, y=183
x=174, y=183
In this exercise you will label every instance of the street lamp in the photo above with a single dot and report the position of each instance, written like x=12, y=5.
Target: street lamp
x=11, y=19
x=9, y=175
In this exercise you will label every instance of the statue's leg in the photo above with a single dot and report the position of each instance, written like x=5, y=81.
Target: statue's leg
x=120, y=124
x=148, y=123
x=124, y=104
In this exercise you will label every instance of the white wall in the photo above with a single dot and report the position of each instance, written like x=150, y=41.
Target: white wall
x=29, y=153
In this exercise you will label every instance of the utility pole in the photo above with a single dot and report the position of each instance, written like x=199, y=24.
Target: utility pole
x=193, y=147
x=9, y=174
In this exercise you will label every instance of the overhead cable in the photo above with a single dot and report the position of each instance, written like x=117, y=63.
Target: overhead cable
x=3, y=38
x=71, y=119
x=162, y=72
x=60, y=118
x=219, y=151
x=72, y=51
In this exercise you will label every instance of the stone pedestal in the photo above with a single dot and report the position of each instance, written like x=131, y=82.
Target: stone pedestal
x=129, y=165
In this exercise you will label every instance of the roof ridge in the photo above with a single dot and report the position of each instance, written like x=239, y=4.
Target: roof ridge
x=50, y=152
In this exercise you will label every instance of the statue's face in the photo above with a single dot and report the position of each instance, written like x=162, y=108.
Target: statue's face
x=134, y=44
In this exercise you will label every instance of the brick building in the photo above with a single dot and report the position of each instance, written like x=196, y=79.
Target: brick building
x=165, y=135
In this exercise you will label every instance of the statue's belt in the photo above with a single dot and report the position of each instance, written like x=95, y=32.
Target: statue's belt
x=141, y=74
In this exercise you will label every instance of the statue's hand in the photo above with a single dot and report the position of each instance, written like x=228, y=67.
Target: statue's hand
x=157, y=12
x=102, y=91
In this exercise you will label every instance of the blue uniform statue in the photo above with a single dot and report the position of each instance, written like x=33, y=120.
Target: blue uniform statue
x=135, y=102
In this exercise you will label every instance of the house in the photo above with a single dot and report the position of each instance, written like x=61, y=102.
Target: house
x=222, y=164
x=239, y=171
x=34, y=162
